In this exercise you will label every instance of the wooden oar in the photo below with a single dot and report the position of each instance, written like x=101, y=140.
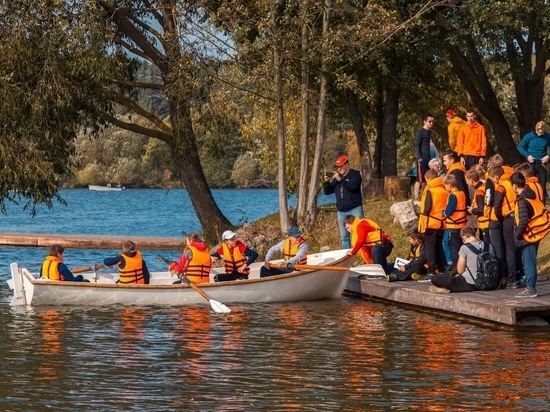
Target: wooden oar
x=340, y=268
x=81, y=270
x=216, y=306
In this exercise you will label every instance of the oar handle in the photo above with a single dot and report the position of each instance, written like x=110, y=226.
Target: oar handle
x=314, y=267
x=82, y=269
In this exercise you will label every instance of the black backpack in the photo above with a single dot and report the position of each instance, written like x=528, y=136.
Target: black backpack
x=488, y=271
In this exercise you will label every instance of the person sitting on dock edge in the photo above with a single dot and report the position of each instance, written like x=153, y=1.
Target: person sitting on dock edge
x=464, y=279
x=417, y=259
x=53, y=267
x=195, y=261
x=131, y=266
x=294, y=251
x=237, y=258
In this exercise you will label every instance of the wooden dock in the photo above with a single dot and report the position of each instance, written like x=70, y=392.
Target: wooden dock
x=497, y=306
x=89, y=241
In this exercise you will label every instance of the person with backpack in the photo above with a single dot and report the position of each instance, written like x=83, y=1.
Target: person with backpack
x=476, y=265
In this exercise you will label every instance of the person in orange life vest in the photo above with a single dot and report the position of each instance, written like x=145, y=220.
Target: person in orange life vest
x=195, y=261
x=417, y=259
x=454, y=167
x=477, y=208
x=503, y=207
x=294, y=250
x=373, y=244
x=455, y=124
x=131, y=266
x=455, y=219
x=532, y=224
x=534, y=146
x=471, y=144
x=431, y=221
x=53, y=267
x=531, y=181
x=237, y=258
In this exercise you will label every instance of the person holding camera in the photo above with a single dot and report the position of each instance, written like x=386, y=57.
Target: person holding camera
x=345, y=183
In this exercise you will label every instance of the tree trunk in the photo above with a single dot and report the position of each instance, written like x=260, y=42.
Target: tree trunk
x=313, y=191
x=304, y=138
x=379, y=111
x=361, y=137
x=389, y=145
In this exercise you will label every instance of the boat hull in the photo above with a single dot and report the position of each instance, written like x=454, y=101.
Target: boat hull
x=102, y=290
x=105, y=188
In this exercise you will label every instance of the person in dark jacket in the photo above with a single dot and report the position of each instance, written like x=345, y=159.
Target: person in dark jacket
x=131, y=266
x=346, y=185
x=532, y=224
x=534, y=146
x=417, y=259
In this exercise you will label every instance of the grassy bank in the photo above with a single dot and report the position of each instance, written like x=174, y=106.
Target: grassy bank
x=325, y=234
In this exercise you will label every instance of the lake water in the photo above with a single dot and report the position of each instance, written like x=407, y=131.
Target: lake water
x=345, y=354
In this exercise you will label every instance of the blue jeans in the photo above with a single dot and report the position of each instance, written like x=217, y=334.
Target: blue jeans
x=448, y=245
x=529, y=260
x=344, y=234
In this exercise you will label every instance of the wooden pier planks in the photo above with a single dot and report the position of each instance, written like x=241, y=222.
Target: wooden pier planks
x=498, y=306
x=89, y=241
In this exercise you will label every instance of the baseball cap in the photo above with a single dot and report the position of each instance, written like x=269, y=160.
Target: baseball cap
x=450, y=113
x=294, y=232
x=228, y=234
x=341, y=161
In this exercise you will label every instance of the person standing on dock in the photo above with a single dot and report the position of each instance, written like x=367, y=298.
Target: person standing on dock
x=195, y=261
x=53, y=267
x=294, y=251
x=345, y=183
x=237, y=258
x=131, y=266
x=532, y=224
x=369, y=240
x=534, y=146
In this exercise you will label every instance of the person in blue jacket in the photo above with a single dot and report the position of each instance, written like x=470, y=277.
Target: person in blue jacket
x=53, y=267
x=534, y=146
x=345, y=183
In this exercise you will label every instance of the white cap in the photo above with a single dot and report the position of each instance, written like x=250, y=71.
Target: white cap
x=228, y=234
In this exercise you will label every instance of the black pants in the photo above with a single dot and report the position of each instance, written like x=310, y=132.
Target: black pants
x=497, y=240
x=471, y=161
x=222, y=277
x=453, y=283
x=539, y=170
x=406, y=274
x=265, y=272
x=509, y=247
x=433, y=246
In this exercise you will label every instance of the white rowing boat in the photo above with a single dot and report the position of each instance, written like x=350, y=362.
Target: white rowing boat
x=106, y=188
x=311, y=284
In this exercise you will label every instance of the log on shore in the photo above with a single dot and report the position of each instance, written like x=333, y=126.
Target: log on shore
x=89, y=241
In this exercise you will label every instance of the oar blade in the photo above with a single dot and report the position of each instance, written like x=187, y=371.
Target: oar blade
x=219, y=307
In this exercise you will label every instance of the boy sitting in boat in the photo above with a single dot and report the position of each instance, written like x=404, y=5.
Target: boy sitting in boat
x=294, y=251
x=53, y=267
x=237, y=258
x=131, y=266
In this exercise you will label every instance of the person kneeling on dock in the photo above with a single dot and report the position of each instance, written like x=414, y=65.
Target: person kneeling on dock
x=131, y=266
x=464, y=279
x=372, y=243
x=53, y=267
x=417, y=259
x=294, y=251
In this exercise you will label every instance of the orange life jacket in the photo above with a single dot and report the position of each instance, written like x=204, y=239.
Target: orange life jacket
x=482, y=220
x=458, y=218
x=533, y=183
x=509, y=201
x=374, y=237
x=433, y=219
x=233, y=260
x=50, y=268
x=290, y=250
x=133, y=269
x=198, y=270
x=539, y=225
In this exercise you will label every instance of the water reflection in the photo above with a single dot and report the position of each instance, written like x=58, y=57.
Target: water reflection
x=345, y=354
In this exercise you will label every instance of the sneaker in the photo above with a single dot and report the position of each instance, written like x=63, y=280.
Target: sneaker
x=527, y=293
x=391, y=277
x=436, y=289
x=426, y=278
x=450, y=267
x=417, y=276
x=514, y=284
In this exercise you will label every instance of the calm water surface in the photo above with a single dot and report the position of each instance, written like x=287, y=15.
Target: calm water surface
x=345, y=354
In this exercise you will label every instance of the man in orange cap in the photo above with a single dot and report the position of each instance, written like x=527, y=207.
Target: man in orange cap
x=346, y=185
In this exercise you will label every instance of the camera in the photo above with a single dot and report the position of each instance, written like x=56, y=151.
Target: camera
x=329, y=173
